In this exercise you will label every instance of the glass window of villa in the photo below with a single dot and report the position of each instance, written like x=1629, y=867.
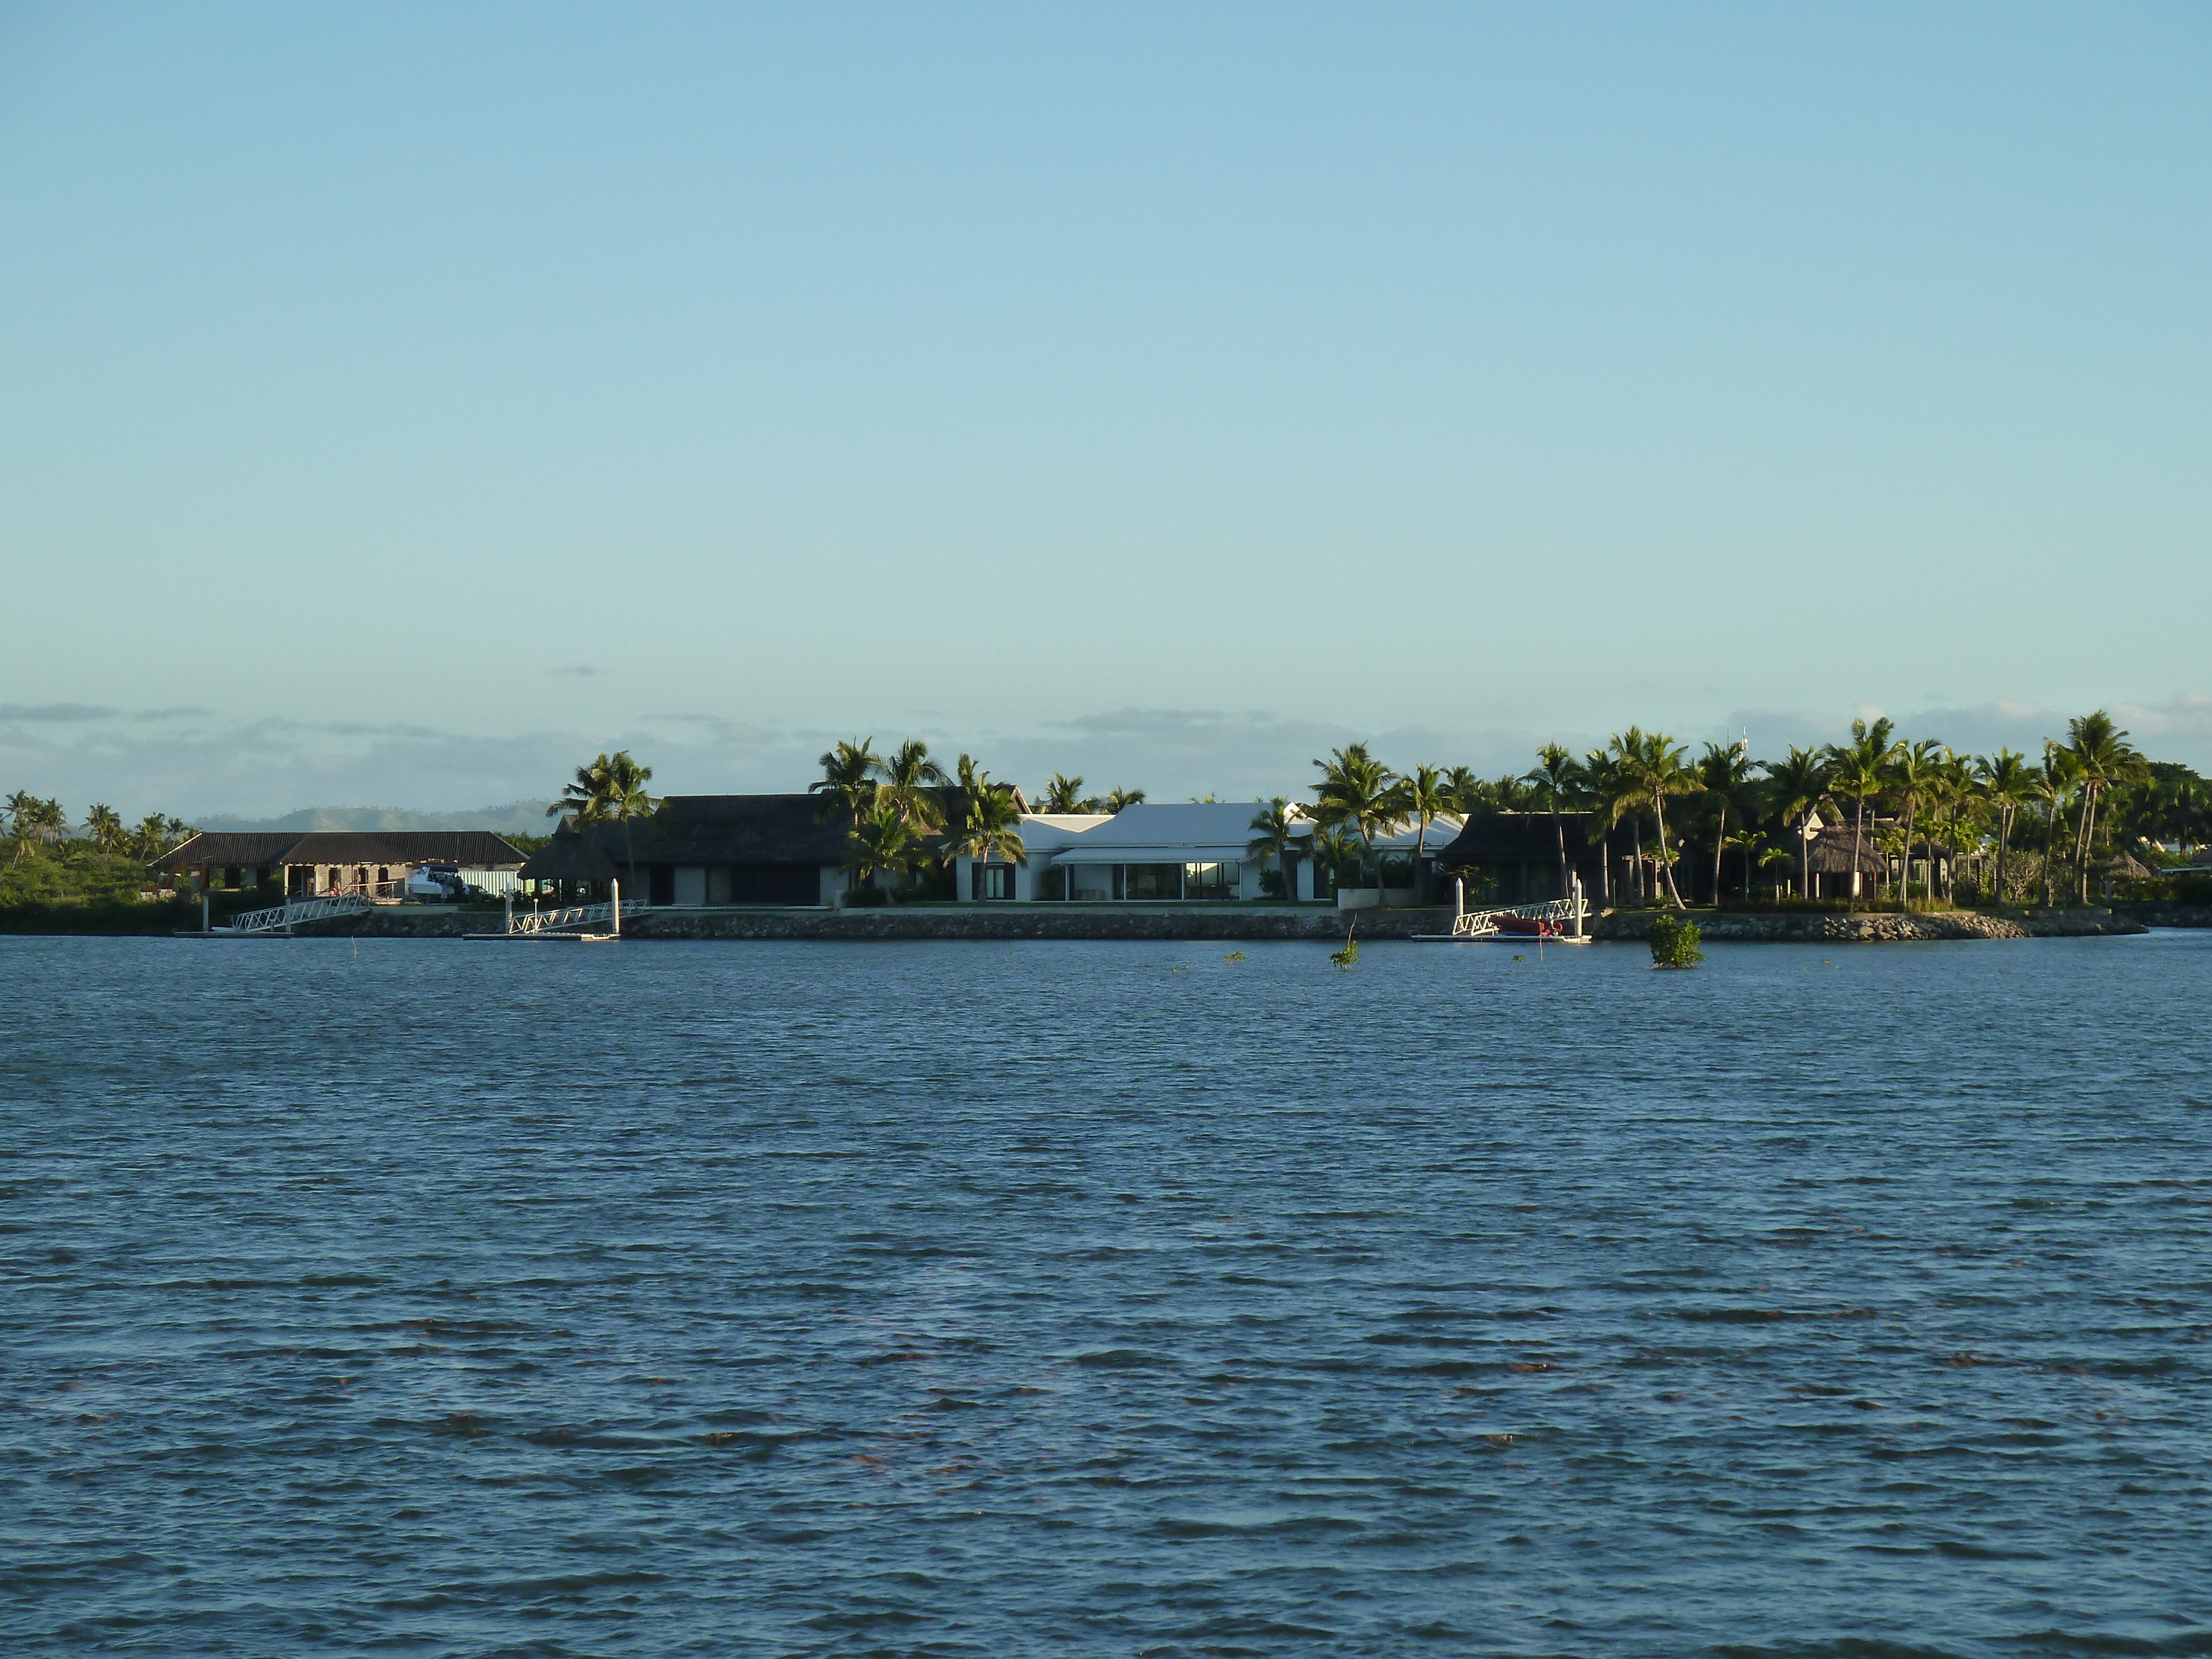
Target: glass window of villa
x=1152, y=881
x=1091, y=881
x=1211, y=881
x=998, y=881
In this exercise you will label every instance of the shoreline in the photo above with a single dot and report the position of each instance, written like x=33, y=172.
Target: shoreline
x=1231, y=924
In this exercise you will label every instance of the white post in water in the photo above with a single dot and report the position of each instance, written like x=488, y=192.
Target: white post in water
x=614, y=906
x=203, y=915
x=1459, y=896
x=1577, y=884
x=507, y=900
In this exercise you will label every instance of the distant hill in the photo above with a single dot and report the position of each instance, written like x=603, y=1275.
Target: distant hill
x=525, y=818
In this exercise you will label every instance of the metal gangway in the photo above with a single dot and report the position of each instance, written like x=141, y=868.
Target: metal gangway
x=579, y=921
x=572, y=919
x=284, y=917
x=1481, y=924
x=1565, y=916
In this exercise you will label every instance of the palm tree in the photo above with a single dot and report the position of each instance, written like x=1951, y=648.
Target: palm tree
x=848, y=783
x=1744, y=841
x=1469, y=793
x=1856, y=773
x=106, y=825
x=2007, y=784
x=1355, y=791
x=993, y=827
x=1652, y=765
x=1119, y=798
x=1914, y=774
x=610, y=790
x=1725, y=780
x=910, y=782
x=1797, y=789
x=2105, y=756
x=1773, y=855
x=584, y=799
x=1275, y=835
x=1336, y=849
x=151, y=839
x=1953, y=795
x=1422, y=797
x=883, y=841
x=626, y=800
x=37, y=821
x=22, y=815
x=1605, y=788
x=1064, y=794
x=2054, y=781
x=1556, y=775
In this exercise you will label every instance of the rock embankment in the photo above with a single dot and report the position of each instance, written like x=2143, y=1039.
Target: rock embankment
x=1237, y=923
x=1877, y=928
x=2160, y=914
x=949, y=922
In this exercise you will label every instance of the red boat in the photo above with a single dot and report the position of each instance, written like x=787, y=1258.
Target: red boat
x=1528, y=926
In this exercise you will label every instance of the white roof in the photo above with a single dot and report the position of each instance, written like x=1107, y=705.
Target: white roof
x=1170, y=832
x=1168, y=824
x=1045, y=832
x=1441, y=830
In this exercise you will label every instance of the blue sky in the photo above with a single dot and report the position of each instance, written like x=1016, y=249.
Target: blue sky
x=398, y=404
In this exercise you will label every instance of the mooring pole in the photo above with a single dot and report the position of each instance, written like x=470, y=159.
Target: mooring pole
x=614, y=905
x=1459, y=896
x=204, y=928
x=508, y=900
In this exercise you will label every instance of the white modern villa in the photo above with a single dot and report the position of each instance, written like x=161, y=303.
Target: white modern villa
x=1191, y=852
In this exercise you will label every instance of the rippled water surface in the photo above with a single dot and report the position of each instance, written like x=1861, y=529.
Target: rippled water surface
x=1104, y=1299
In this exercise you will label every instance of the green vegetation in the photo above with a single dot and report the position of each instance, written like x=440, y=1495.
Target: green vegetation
x=99, y=882
x=610, y=790
x=1674, y=941
x=894, y=811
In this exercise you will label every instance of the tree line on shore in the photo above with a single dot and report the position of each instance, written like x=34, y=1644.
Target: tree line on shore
x=2033, y=830
x=38, y=826
x=48, y=861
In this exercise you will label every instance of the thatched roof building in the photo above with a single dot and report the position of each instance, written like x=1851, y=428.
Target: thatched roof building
x=713, y=850
x=317, y=860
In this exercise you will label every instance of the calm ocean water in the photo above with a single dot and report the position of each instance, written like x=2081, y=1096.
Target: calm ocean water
x=1104, y=1299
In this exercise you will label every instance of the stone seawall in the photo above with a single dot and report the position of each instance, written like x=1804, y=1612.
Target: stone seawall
x=2155, y=914
x=1826, y=927
x=1236, y=923
x=980, y=921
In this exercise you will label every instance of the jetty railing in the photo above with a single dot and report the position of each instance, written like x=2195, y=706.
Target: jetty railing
x=300, y=910
x=571, y=919
x=1479, y=924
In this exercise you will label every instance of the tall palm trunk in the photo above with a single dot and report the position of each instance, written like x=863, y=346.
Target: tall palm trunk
x=1858, y=834
x=2049, y=835
x=1905, y=861
x=1666, y=865
x=1804, y=861
x=1720, y=846
x=2089, y=839
x=2081, y=841
x=2004, y=835
x=1559, y=830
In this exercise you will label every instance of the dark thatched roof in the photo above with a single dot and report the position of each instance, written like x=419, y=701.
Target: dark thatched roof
x=471, y=848
x=1518, y=838
x=708, y=831
x=1829, y=853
